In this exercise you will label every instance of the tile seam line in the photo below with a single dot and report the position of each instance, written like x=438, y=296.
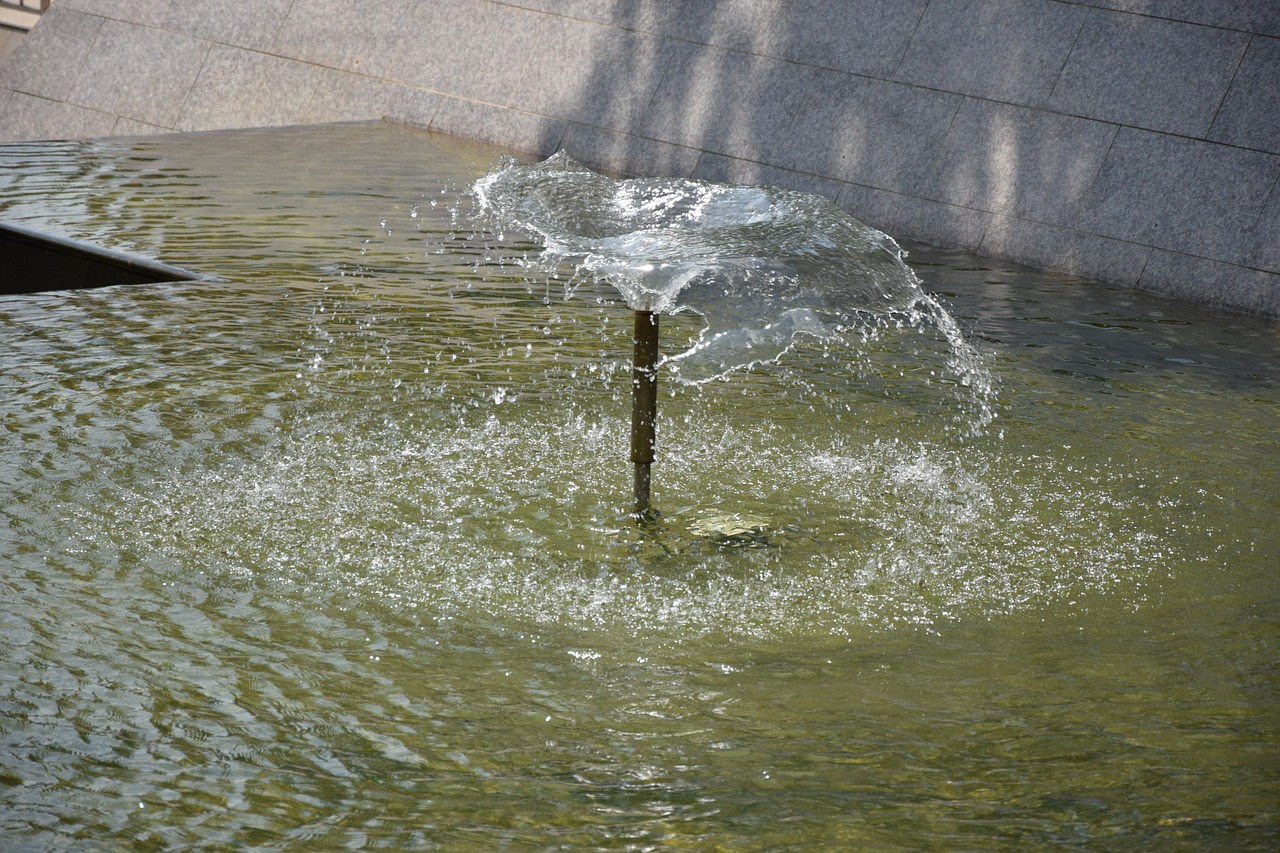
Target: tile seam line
x=906, y=45
x=1226, y=92
x=924, y=11
x=1066, y=60
x=1115, y=11
x=179, y=115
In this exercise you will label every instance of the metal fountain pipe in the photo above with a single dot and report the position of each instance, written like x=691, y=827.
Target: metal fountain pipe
x=644, y=405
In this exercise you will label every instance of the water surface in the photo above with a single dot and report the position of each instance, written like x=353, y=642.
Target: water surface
x=335, y=553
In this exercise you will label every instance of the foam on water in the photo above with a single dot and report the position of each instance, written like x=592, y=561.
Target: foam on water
x=860, y=537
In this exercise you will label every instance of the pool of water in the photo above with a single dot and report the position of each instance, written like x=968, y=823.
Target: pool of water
x=336, y=553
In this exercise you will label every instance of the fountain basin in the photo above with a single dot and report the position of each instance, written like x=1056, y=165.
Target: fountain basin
x=336, y=552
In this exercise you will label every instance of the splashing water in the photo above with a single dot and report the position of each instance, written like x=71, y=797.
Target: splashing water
x=761, y=266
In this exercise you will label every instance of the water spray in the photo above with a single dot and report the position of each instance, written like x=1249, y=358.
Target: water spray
x=761, y=266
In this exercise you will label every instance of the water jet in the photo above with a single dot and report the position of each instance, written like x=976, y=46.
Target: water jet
x=761, y=266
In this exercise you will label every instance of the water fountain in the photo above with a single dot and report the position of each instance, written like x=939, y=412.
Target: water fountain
x=759, y=266
x=338, y=551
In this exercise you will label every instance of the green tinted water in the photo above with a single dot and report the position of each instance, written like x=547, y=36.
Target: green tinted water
x=334, y=554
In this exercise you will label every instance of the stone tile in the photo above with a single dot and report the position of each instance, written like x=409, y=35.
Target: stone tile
x=1262, y=241
x=592, y=74
x=600, y=11
x=1018, y=161
x=911, y=217
x=869, y=132
x=1005, y=50
x=731, y=103
x=26, y=117
x=744, y=25
x=1212, y=283
x=472, y=62
x=1179, y=194
x=148, y=13
x=1146, y=72
x=363, y=37
x=501, y=126
x=729, y=170
x=1250, y=115
x=734, y=24
x=242, y=88
x=859, y=36
x=1064, y=250
x=252, y=25
x=623, y=154
x=139, y=73
x=1250, y=16
x=49, y=59
x=343, y=96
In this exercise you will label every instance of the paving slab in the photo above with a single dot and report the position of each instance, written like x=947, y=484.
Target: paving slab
x=867, y=37
x=244, y=88
x=340, y=96
x=1213, y=283
x=28, y=117
x=483, y=56
x=48, y=61
x=731, y=103
x=870, y=132
x=1250, y=16
x=915, y=218
x=1019, y=161
x=1064, y=250
x=1005, y=50
x=1250, y=113
x=594, y=74
x=139, y=72
x=1179, y=194
x=624, y=154
x=148, y=13
x=731, y=170
x=519, y=131
x=359, y=37
x=253, y=25
x=1147, y=72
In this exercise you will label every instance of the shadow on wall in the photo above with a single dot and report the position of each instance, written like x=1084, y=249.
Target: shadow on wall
x=997, y=126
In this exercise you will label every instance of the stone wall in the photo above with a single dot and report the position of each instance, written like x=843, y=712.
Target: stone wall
x=1134, y=141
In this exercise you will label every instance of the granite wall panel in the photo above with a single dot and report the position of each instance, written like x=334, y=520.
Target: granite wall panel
x=1020, y=162
x=71, y=41
x=868, y=37
x=253, y=26
x=1004, y=50
x=1136, y=141
x=148, y=13
x=237, y=86
x=139, y=73
x=1146, y=72
x=1250, y=113
x=870, y=132
x=358, y=37
x=1179, y=194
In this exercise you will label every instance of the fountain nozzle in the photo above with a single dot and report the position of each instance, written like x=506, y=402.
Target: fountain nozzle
x=644, y=406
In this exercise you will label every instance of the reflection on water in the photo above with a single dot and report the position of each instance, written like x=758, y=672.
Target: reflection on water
x=336, y=553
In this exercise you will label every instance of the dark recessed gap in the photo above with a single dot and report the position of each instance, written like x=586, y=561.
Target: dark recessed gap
x=32, y=262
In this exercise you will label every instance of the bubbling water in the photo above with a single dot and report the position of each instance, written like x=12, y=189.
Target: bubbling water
x=761, y=266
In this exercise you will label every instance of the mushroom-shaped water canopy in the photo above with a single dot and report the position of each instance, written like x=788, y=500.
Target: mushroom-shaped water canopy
x=759, y=264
